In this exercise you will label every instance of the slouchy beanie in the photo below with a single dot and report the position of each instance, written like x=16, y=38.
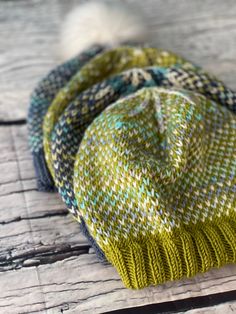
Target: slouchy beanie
x=58, y=78
x=86, y=105
x=99, y=68
x=155, y=183
x=69, y=130
x=104, y=66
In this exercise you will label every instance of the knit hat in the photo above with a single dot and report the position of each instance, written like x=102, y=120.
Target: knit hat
x=49, y=86
x=48, y=93
x=40, y=101
x=99, y=68
x=72, y=124
x=70, y=128
x=67, y=101
x=112, y=62
x=155, y=183
x=96, y=99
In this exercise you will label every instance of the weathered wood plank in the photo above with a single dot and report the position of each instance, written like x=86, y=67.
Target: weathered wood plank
x=53, y=272
x=34, y=227
x=82, y=285
x=42, y=243
x=27, y=35
x=202, y=31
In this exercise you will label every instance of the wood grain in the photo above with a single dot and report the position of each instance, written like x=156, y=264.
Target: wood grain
x=46, y=264
x=203, y=31
x=32, y=224
x=81, y=284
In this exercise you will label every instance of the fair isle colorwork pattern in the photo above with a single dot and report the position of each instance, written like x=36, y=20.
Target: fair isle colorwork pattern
x=72, y=124
x=69, y=130
x=155, y=181
x=99, y=68
x=40, y=101
x=117, y=60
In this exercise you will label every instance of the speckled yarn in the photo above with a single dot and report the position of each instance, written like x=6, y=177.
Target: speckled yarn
x=49, y=87
x=65, y=105
x=72, y=124
x=99, y=68
x=40, y=101
x=113, y=62
x=155, y=183
x=70, y=128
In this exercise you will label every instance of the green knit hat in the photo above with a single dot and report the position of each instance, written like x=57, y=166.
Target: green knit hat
x=99, y=68
x=116, y=60
x=69, y=130
x=155, y=183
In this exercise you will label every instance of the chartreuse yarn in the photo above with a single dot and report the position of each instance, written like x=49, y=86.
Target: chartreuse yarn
x=48, y=88
x=69, y=129
x=99, y=68
x=75, y=93
x=155, y=182
x=140, y=143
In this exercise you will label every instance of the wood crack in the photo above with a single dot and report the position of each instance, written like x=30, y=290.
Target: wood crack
x=19, y=191
x=13, y=122
x=40, y=254
x=36, y=215
x=101, y=294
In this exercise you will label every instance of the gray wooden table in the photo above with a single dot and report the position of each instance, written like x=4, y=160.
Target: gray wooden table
x=46, y=264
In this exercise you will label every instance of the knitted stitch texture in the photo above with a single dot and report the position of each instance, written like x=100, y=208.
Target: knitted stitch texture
x=40, y=101
x=82, y=110
x=155, y=183
x=49, y=86
x=72, y=104
x=101, y=67
x=117, y=60
x=72, y=124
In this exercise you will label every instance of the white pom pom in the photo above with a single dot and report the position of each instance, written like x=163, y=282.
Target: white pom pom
x=99, y=23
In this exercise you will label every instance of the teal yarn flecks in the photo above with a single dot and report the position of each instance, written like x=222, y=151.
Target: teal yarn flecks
x=40, y=101
x=86, y=102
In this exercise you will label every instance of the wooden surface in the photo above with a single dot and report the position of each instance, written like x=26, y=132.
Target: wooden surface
x=46, y=264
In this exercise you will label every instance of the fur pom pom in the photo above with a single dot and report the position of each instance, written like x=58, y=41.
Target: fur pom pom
x=99, y=23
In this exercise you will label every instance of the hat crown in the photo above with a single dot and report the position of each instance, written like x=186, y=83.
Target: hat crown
x=148, y=157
